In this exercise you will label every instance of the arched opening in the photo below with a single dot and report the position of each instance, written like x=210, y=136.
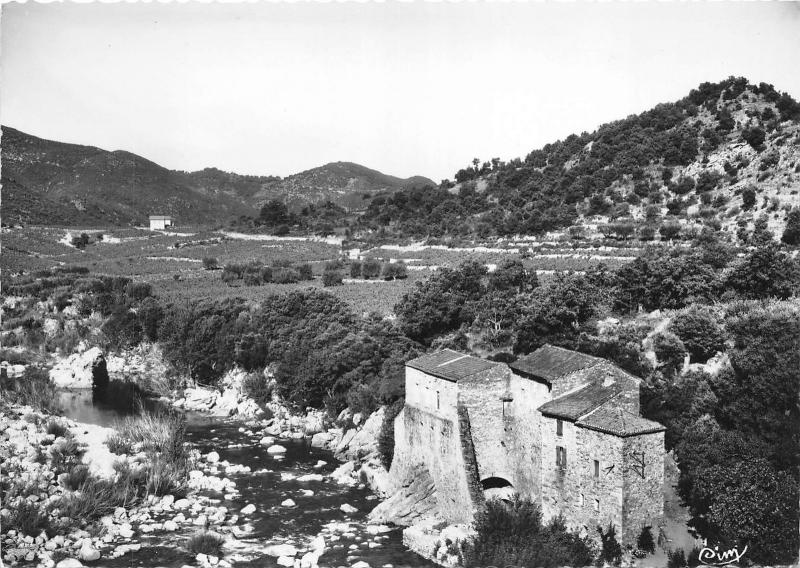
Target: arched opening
x=497, y=488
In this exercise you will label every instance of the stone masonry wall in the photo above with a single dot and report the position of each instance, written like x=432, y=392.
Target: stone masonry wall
x=431, y=393
x=522, y=435
x=434, y=441
x=483, y=398
x=643, y=497
x=585, y=501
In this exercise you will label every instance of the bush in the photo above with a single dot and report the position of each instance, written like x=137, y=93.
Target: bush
x=28, y=518
x=205, y=543
x=257, y=387
x=748, y=200
x=138, y=291
x=65, y=455
x=645, y=540
x=305, y=271
x=210, y=263
x=791, y=234
x=331, y=277
x=355, y=269
x=676, y=558
x=162, y=433
x=670, y=351
x=611, y=550
x=285, y=276
x=513, y=534
x=80, y=241
x=97, y=498
x=56, y=428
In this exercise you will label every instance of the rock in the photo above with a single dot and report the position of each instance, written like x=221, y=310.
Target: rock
x=88, y=553
x=342, y=474
x=69, y=563
x=276, y=449
x=81, y=370
x=267, y=441
x=200, y=520
x=199, y=399
x=227, y=404
x=320, y=463
x=181, y=504
x=321, y=439
x=357, y=417
x=360, y=564
x=170, y=526
x=248, y=408
x=349, y=509
x=311, y=477
x=248, y=509
x=287, y=561
x=288, y=503
x=281, y=550
x=212, y=457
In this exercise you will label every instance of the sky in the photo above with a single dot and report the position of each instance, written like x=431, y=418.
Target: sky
x=411, y=88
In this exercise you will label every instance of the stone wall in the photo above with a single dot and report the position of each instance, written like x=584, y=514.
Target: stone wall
x=585, y=501
x=482, y=397
x=522, y=435
x=434, y=441
x=643, y=497
x=431, y=393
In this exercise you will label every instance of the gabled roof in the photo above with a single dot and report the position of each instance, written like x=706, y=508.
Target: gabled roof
x=451, y=365
x=612, y=418
x=582, y=401
x=549, y=363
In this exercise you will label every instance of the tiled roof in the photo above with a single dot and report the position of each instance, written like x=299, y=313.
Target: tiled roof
x=612, y=418
x=550, y=363
x=451, y=365
x=573, y=405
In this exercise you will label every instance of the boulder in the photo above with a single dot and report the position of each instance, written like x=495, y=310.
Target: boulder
x=88, y=553
x=321, y=439
x=227, y=404
x=69, y=563
x=248, y=509
x=276, y=449
x=287, y=561
x=281, y=550
x=199, y=399
x=288, y=503
x=81, y=370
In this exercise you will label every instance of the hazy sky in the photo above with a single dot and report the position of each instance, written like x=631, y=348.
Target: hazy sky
x=406, y=88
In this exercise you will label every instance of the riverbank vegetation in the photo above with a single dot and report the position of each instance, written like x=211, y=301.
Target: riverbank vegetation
x=512, y=534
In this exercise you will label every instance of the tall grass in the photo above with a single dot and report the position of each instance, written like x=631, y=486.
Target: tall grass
x=157, y=432
x=33, y=389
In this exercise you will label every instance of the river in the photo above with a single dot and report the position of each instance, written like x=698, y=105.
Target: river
x=271, y=481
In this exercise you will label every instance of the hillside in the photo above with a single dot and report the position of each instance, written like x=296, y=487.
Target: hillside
x=726, y=157
x=55, y=183
x=346, y=184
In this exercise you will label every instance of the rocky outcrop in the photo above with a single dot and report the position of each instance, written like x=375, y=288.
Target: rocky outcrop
x=143, y=365
x=81, y=370
x=414, y=500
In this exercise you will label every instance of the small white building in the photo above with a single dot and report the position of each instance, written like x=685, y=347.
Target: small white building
x=160, y=222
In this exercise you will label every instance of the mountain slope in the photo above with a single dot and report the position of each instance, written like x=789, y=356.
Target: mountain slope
x=55, y=183
x=726, y=157
x=347, y=184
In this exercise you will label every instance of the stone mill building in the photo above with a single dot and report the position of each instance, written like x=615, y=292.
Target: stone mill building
x=557, y=427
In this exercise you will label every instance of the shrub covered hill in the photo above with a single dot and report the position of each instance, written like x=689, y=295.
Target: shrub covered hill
x=54, y=183
x=726, y=156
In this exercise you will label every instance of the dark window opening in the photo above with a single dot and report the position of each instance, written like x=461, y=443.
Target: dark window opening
x=596, y=468
x=559, y=427
x=561, y=456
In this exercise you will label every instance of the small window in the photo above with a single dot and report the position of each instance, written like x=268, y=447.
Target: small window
x=597, y=505
x=597, y=468
x=437, y=400
x=559, y=427
x=582, y=500
x=561, y=456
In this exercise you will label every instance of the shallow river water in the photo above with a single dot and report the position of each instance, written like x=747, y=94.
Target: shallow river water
x=272, y=523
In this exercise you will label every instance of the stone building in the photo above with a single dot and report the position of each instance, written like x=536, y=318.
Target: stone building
x=160, y=222
x=558, y=427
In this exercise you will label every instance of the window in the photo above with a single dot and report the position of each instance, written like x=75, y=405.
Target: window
x=437, y=400
x=561, y=456
x=597, y=468
x=582, y=500
x=559, y=428
x=597, y=505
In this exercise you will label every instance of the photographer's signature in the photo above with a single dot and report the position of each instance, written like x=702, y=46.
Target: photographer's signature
x=715, y=557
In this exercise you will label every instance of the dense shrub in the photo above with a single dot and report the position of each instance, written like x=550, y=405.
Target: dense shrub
x=766, y=272
x=791, y=233
x=331, y=277
x=513, y=534
x=257, y=387
x=645, y=541
x=386, y=434
x=210, y=263
x=670, y=351
x=370, y=268
x=138, y=291
x=610, y=548
x=394, y=271
x=355, y=269
x=33, y=388
x=205, y=542
x=28, y=518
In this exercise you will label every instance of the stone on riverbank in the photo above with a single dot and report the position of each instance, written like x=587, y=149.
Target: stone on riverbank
x=81, y=370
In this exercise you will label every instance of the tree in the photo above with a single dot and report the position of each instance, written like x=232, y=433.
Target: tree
x=670, y=352
x=274, y=213
x=700, y=333
x=766, y=272
x=394, y=271
x=370, y=268
x=791, y=234
x=669, y=231
x=511, y=275
x=754, y=136
x=331, y=277
x=355, y=269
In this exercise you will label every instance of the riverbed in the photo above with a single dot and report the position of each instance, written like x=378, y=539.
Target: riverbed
x=318, y=508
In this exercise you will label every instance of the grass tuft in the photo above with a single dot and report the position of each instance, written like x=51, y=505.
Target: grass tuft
x=205, y=543
x=57, y=428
